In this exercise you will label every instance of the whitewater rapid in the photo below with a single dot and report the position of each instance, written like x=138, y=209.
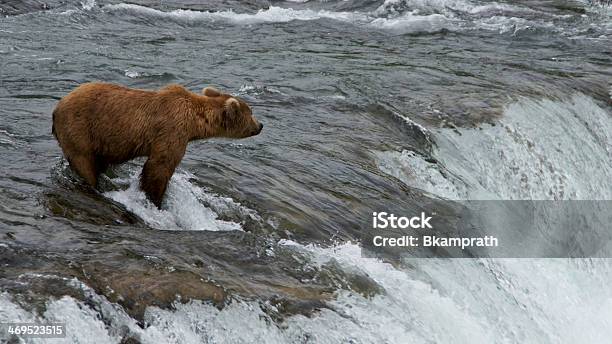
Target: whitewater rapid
x=540, y=149
x=184, y=205
x=506, y=300
x=398, y=16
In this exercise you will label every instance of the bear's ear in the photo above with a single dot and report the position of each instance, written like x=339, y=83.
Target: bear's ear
x=211, y=92
x=231, y=107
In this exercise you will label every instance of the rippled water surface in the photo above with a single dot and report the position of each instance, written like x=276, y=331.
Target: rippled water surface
x=367, y=105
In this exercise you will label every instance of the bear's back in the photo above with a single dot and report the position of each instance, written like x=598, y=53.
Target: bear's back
x=115, y=121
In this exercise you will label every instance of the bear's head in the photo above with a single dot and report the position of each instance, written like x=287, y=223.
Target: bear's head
x=235, y=117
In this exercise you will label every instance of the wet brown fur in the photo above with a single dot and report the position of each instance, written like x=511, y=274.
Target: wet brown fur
x=100, y=124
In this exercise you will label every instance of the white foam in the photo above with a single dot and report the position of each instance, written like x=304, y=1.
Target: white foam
x=183, y=207
x=412, y=23
x=409, y=22
x=7, y=138
x=132, y=74
x=446, y=7
x=494, y=7
x=82, y=323
x=540, y=149
x=449, y=8
x=97, y=321
x=464, y=14
x=88, y=5
x=246, y=88
x=398, y=16
x=273, y=14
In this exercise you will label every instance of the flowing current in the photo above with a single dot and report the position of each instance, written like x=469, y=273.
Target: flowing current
x=367, y=105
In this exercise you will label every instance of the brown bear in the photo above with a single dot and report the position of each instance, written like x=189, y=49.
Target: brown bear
x=100, y=124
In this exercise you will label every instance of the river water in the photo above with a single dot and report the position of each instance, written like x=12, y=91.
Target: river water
x=367, y=105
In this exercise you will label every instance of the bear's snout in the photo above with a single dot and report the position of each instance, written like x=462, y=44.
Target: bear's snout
x=258, y=130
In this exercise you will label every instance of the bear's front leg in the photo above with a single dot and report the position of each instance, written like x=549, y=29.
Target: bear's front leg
x=158, y=170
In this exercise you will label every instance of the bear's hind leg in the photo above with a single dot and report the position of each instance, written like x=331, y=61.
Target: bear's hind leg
x=85, y=166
